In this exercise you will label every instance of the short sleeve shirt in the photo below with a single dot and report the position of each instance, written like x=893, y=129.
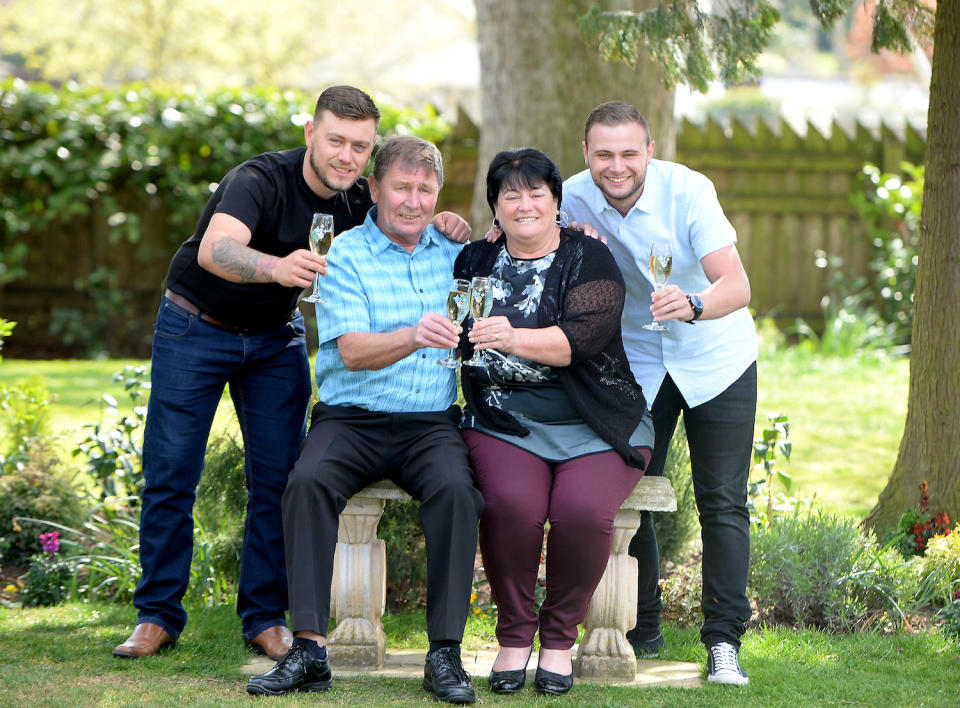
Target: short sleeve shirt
x=269, y=194
x=374, y=285
x=680, y=206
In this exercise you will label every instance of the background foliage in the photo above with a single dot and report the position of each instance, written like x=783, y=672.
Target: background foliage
x=67, y=149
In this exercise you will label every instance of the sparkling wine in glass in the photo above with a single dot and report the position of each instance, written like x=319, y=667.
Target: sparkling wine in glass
x=661, y=265
x=321, y=238
x=481, y=302
x=458, y=305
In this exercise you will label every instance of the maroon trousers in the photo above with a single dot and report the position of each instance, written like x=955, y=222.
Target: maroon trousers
x=521, y=492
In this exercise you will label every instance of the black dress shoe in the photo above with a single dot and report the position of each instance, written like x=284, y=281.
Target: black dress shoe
x=444, y=677
x=297, y=672
x=552, y=684
x=507, y=682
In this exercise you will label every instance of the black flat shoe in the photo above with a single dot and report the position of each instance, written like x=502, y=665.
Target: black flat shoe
x=507, y=682
x=551, y=684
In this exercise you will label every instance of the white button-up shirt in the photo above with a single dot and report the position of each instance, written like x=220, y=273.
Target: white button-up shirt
x=680, y=206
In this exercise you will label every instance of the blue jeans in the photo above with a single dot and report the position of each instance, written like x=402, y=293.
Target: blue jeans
x=269, y=381
x=720, y=437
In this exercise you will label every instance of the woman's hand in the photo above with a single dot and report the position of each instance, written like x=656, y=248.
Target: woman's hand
x=494, y=333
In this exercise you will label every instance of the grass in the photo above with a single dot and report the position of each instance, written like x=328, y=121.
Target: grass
x=61, y=657
x=846, y=420
x=76, y=387
x=846, y=415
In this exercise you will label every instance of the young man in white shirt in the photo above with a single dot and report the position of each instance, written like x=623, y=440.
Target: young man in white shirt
x=703, y=364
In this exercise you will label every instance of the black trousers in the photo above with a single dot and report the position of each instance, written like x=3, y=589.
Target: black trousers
x=720, y=436
x=347, y=449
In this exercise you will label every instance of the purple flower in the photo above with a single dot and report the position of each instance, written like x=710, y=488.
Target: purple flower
x=50, y=543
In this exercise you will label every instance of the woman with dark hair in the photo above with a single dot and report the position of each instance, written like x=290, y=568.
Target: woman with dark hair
x=556, y=424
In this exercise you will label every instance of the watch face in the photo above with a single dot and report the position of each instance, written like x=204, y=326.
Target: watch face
x=696, y=305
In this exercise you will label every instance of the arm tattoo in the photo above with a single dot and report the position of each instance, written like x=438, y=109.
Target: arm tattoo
x=249, y=265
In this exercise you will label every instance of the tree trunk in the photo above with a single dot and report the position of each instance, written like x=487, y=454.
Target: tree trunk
x=539, y=81
x=928, y=450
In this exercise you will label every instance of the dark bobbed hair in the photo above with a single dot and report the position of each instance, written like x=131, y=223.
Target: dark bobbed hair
x=347, y=102
x=524, y=168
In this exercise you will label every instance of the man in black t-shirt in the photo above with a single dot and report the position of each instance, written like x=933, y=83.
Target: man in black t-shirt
x=229, y=315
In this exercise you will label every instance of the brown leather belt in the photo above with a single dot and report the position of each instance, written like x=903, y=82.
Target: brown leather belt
x=194, y=310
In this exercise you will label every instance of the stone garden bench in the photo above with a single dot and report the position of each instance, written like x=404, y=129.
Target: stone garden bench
x=359, y=585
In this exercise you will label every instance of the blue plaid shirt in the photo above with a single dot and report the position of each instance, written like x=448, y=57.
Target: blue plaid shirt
x=374, y=285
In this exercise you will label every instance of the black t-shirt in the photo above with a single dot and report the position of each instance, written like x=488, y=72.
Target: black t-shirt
x=269, y=194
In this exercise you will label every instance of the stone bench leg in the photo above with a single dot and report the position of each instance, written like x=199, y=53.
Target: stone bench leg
x=359, y=587
x=605, y=652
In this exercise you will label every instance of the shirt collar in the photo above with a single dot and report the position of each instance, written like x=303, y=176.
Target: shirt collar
x=652, y=191
x=378, y=242
x=648, y=198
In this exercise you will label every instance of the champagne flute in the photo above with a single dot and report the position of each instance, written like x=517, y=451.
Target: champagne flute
x=481, y=302
x=661, y=265
x=458, y=305
x=320, y=238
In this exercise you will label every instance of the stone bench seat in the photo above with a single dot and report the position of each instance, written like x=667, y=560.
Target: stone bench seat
x=358, y=595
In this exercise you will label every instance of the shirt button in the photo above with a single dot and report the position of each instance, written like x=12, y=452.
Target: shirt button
x=417, y=391
x=423, y=356
x=421, y=290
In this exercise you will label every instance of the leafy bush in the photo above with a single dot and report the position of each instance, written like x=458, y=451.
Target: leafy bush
x=103, y=550
x=938, y=570
x=852, y=325
x=406, y=555
x=71, y=148
x=918, y=525
x=47, y=582
x=219, y=517
x=682, y=591
x=33, y=481
x=951, y=620
x=114, y=445
x=6, y=329
x=819, y=570
x=890, y=207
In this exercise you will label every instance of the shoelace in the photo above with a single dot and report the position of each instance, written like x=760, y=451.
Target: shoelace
x=448, y=660
x=724, y=658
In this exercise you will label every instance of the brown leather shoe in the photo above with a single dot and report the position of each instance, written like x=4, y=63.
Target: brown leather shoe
x=274, y=641
x=147, y=639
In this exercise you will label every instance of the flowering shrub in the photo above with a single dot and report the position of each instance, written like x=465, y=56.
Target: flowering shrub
x=48, y=580
x=939, y=569
x=917, y=526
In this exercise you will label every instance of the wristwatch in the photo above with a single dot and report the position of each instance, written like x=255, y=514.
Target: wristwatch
x=696, y=304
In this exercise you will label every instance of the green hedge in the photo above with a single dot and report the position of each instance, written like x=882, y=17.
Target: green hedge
x=68, y=149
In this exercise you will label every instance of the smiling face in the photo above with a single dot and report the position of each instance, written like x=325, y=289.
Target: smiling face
x=337, y=152
x=405, y=197
x=527, y=215
x=618, y=156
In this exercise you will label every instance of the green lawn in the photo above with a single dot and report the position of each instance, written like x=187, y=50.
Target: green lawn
x=846, y=420
x=61, y=657
x=846, y=415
